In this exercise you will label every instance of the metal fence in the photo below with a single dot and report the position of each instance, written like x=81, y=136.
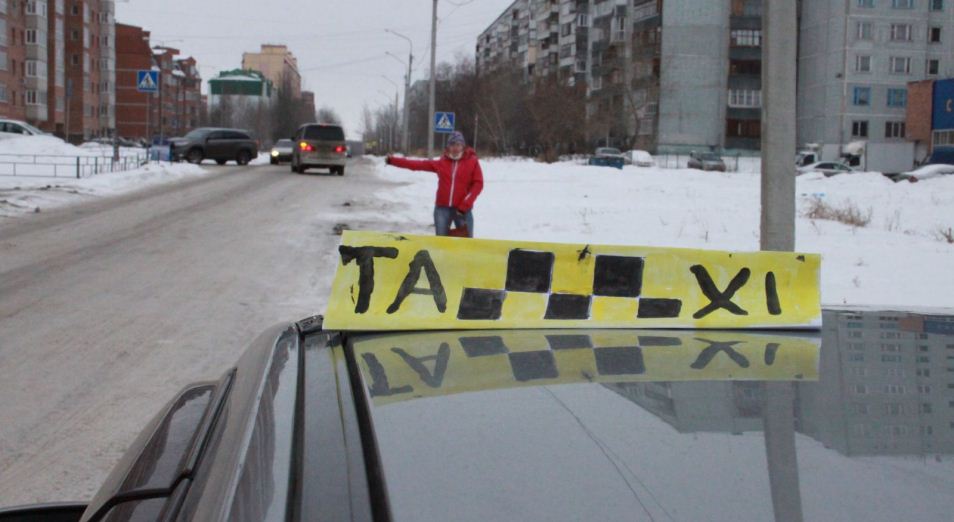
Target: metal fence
x=733, y=163
x=60, y=166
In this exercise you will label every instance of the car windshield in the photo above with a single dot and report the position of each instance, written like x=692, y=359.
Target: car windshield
x=610, y=151
x=709, y=157
x=324, y=133
x=197, y=133
x=623, y=425
x=283, y=143
x=31, y=128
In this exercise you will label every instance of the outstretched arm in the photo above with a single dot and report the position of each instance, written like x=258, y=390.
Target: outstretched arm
x=404, y=163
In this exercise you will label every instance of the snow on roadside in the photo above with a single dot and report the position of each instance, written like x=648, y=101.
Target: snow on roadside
x=20, y=195
x=897, y=259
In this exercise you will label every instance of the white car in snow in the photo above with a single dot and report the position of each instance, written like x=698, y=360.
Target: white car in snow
x=828, y=168
x=640, y=158
x=926, y=172
x=17, y=128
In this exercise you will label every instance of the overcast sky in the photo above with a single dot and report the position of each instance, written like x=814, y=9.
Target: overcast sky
x=340, y=45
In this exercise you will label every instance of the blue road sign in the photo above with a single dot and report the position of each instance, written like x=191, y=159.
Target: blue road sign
x=444, y=122
x=147, y=81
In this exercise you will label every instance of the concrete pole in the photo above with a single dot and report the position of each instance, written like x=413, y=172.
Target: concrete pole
x=431, y=109
x=779, y=65
x=407, y=107
x=778, y=124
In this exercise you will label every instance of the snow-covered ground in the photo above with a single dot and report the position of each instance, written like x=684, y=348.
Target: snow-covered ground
x=898, y=259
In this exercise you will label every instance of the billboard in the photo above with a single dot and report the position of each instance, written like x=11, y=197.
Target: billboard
x=943, y=114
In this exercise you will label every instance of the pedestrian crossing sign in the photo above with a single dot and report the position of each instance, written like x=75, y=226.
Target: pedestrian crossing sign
x=147, y=81
x=444, y=122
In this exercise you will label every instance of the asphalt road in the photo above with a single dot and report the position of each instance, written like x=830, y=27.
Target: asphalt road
x=108, y=309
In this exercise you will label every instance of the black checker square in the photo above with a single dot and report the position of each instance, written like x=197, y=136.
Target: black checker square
x=481, y=305
x=484, y=345
x=529, y=271
x=569, y=342
x=659, y=308
x=654, y=340
x=627, y=360
x=568, y=306
x=532, y=366
x=618, y=276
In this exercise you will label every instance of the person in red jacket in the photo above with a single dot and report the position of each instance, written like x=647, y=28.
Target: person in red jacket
x=459, y=182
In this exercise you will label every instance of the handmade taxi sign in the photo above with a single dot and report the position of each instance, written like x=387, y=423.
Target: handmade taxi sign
x=405, y=282
x=399, y=367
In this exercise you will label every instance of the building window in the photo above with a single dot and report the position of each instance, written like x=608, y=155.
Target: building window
x=863, y=31
x=859, y=129
x=744, y=128
x=746, y=38
x=933, y=66
x=32, y=98
x=3, y=93
x=900, y=65
x=902, y=4
x=935, y=36
x=894, y=389
x=937, y=5
x=862, y=96
x=751, y=67
x=901, y=32
x=897, y=97
x=31, y=36
x=745, y=98
x=582, y=20
x=75, y=59
x=865, y=3
x=863, y=63
x=3, y=60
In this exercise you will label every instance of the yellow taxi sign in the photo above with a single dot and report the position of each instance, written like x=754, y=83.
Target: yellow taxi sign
x=399, y=367
x=404, y=282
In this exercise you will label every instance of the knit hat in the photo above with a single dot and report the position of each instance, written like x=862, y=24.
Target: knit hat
x=456, y=138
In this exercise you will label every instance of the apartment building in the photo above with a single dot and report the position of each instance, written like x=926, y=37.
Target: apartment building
x=662, y=75
x=90, y=69
x=12, y=56
x=278, y=64
x=133, y=54
x=176, y=108
x=855, y=62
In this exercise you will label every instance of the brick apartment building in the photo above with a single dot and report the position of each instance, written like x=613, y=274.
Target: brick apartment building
x=179, y=104
x=57, y=65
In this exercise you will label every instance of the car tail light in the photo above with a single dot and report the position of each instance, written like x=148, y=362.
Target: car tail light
x=339, y=149
x=306, y=147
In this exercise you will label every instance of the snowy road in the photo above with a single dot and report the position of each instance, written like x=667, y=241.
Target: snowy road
x=108, y=309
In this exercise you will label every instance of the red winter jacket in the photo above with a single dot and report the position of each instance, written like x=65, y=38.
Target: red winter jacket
x=459, y=182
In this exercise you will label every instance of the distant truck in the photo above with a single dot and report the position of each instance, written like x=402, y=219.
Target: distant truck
x=887, y=157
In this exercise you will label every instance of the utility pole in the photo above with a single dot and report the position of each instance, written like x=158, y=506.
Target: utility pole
x=407, y=89
x=779, y=65
x=431, y=108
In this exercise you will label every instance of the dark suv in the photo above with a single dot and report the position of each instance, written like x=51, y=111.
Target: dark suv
x=220, y=145
x=319, y=145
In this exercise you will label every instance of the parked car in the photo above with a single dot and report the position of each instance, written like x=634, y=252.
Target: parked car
x=20, y=128
x=319, y=145
x=221, y=145
x=282, y=151
x=543, y=425
x=706, y=161
x=607, y=157
x=640, y=158
x=828, y=168
x=926, y=172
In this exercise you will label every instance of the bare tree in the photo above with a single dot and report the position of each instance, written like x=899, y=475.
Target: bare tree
x=328, y=115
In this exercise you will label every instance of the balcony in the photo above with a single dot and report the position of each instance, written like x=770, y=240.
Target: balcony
x=37, y=112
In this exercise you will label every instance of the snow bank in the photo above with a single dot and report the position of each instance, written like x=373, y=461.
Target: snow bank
x=897, y=259
x=20, y=195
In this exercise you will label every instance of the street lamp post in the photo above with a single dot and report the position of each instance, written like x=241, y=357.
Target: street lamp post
x=397, y=89
x=407, y=88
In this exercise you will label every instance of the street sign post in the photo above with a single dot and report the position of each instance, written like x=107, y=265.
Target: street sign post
x=444, y=122
x=147, y=81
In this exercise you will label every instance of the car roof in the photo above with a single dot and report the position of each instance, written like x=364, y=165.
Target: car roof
x=582, y=424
